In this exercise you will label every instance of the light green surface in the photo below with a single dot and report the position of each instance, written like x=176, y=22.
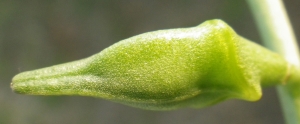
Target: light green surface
x=277, y=34
x=166, y=69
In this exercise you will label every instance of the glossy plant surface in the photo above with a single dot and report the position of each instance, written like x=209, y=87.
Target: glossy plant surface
x=166, y=69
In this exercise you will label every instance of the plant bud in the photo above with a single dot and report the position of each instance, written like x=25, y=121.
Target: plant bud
x=166, y=69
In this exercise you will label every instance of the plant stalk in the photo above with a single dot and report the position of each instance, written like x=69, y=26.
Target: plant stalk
x=278, y=36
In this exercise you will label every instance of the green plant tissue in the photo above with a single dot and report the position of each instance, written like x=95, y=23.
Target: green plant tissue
x=166, y=69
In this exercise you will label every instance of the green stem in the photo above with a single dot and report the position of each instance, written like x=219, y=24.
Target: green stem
x=277, y=34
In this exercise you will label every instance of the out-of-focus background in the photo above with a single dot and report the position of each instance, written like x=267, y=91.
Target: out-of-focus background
x=36, y=34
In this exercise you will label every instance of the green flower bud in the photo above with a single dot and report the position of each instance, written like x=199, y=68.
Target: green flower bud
x=166, y=69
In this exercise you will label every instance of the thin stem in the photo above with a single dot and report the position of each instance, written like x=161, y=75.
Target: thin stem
x=277, y=34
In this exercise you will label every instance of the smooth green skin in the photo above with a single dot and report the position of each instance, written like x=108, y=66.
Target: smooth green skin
x=166, y=69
